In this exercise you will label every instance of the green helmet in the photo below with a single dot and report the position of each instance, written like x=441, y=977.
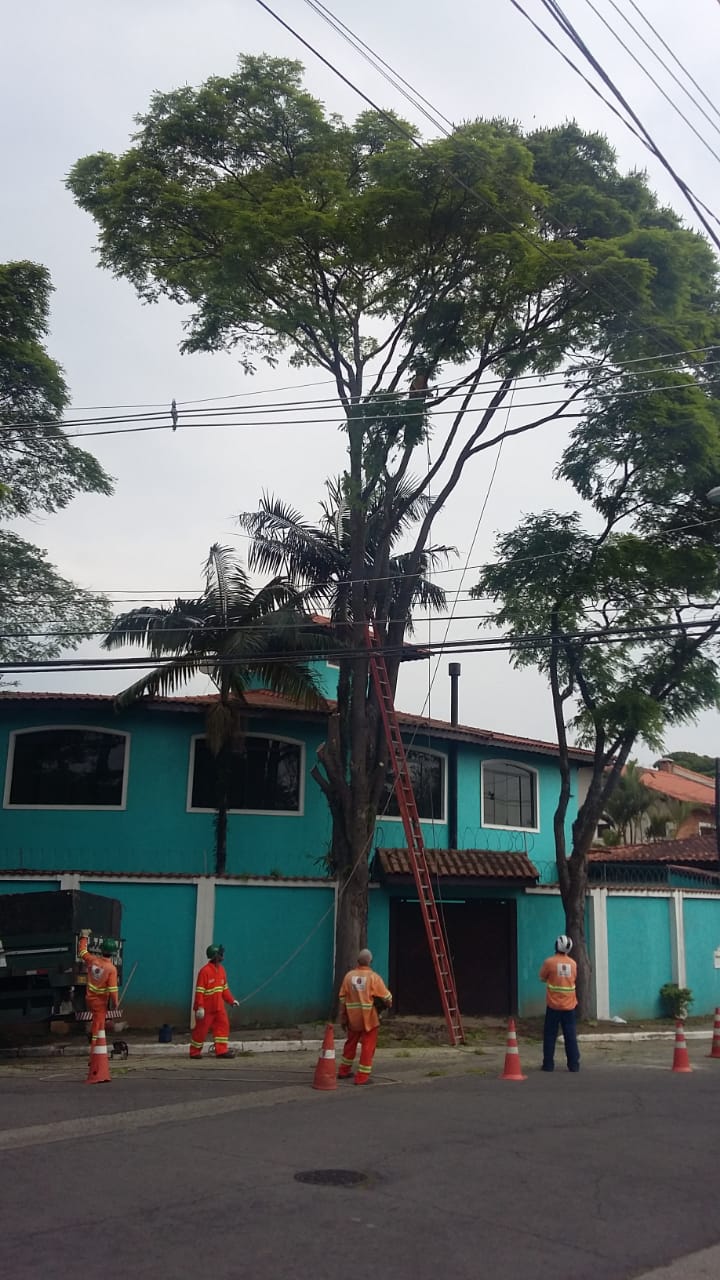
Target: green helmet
x=109, y=946
x=215, y=952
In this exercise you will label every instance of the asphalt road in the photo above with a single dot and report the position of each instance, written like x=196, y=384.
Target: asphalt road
x=190, y=1169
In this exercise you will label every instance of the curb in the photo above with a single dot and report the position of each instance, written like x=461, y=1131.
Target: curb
x=160, y=1050
x=625, y=1036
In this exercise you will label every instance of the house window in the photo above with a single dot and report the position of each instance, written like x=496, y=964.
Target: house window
x=509, y=795
x=427, y=775
x=66, y=768
x=265, y=776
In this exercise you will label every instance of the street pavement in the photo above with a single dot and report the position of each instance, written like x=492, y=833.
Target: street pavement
x=181, y=1168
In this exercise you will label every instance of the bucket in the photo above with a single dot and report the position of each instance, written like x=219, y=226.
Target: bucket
x=165, y=1034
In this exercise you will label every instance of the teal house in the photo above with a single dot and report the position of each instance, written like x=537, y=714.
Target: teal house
x=122, y=804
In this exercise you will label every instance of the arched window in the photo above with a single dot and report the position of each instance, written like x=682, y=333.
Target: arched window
x=427, y=774
x=509, y=796
x=67, y=767
x=266, y=776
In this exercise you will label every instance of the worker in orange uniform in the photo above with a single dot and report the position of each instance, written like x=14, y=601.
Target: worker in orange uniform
x=212, y=994
x=360, y=990
x=101, y=992
x=559, y=973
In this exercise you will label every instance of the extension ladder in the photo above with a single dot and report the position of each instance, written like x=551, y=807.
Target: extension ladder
x=416, y=845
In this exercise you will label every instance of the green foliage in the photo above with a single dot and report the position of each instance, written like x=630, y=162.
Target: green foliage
x=41, y=469
x=676, y=1000
x=42, y=613
x=629, y=804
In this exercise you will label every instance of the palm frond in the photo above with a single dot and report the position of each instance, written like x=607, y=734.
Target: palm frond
x=162, y=682
x=164, y=630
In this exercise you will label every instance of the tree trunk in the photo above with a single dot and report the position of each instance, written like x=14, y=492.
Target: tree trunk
x=574, y=903
x=352, y=917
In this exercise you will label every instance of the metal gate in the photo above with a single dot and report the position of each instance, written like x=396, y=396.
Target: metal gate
x=482, y=938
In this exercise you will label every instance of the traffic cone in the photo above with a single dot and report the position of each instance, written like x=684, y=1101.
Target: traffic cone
x=325, y=1077
x=512, y=1069
x=715, y=1051
x=99, y=1069
x=681, y=1061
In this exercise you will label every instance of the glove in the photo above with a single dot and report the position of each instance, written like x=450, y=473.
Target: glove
x=85, y=933
x=199, y=1015
x=236, y=1004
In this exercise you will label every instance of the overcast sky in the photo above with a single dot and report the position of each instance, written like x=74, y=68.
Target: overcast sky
x=74, y=75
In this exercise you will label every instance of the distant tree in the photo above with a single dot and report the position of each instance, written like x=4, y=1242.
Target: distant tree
x=629, y=803
x=691, y=760
x=239, y=637
x=621, y=616
x=424, y=282
x=41, y=612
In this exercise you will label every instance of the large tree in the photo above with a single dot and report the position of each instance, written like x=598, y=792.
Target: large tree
x=42, y=613
x=619, y=609
x=425, y=280
x=238, y=636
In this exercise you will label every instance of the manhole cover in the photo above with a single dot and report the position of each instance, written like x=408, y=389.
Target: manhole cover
x=331, y=1177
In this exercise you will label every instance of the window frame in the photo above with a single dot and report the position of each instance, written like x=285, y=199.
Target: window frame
x=66, y=808
x=443, y=817
x=501, y=826
x=265, y=813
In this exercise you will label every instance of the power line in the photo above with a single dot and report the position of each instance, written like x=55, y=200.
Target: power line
x=674, y=56
x=639, y=63
x=560, y=18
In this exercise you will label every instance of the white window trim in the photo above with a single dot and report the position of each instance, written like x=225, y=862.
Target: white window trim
x=267, y=813
x=497, y=826
x=66, y=808
x=426, y=751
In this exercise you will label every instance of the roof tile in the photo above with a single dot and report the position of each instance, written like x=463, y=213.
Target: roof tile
x=462, y=864
x=692, y=849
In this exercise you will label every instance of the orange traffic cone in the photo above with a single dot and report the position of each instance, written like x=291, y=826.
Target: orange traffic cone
x=99, y=1069
x=325, y=1077
x=715, y=1051
x=512, y=1069
x=681, y=1061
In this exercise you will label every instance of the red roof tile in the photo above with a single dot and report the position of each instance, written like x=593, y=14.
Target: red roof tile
x=677, y=787
x=462, y=864
x=692, y=849
x=261, y=699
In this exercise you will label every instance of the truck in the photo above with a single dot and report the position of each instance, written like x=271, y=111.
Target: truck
x=41, y=977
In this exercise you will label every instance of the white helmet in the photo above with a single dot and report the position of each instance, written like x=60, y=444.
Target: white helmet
x=563, y=944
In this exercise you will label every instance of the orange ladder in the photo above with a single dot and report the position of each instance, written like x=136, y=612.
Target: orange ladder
x=416, y=845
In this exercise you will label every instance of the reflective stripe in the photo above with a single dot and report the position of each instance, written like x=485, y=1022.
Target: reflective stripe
x=99, y=1048
x=365, y=1071
x=346, y=1062
x=550, y=987
x=328, y=1053
x=360, y=1005
x=196, y=1044
x=99, y=991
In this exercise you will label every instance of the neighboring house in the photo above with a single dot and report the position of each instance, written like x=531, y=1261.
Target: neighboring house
x=122, y=804
x=682, y=804
x=691, y=795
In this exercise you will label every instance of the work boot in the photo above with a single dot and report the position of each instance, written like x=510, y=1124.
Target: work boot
x=223, y=1057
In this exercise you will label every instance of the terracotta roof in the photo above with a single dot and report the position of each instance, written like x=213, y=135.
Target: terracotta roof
x=462, y=864
x=692, y=849
x=677, y=787
x=265, y=699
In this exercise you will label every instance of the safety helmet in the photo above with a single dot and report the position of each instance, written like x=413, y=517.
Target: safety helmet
x=109, y=946
x=563, y=944
x=215, y=952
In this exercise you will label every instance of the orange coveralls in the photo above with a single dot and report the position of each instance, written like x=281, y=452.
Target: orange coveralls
x=102, y=986
x=360, y=987
x=212, y=994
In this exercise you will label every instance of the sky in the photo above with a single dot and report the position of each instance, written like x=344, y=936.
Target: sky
x=74, y=76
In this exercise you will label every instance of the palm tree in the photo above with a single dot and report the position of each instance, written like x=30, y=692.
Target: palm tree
x=317, y=557
x=629, y=803
x=239, y=637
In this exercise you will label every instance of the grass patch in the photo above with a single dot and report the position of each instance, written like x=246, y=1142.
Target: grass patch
x=436, y=1073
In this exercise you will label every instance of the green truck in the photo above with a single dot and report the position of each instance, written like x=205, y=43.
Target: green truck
x=41, y=978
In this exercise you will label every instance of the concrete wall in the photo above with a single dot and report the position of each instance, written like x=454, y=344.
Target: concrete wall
x=640, y=954
x=702, y=943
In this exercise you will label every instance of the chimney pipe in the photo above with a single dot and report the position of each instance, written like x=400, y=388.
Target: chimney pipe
x=454, y=670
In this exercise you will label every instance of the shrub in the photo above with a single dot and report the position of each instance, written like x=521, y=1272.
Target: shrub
x=676, y=1000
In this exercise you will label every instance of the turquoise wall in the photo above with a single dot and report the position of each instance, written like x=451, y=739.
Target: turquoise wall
x=540, y=918
x=266, y=929
x=702, y=938
x=28, y=886
x=640, y=956
x=158, y=929
x=155, y=832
